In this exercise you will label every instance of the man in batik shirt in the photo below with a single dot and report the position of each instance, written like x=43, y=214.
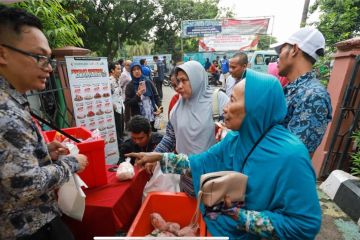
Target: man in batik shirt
x=30, y=170
x=117, y=99
x=308, y=102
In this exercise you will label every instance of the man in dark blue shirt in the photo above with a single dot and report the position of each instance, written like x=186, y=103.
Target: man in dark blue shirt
x=224, y=70
x=142, y=139
x=207, y=64
x=159, y=71
x=308, y=102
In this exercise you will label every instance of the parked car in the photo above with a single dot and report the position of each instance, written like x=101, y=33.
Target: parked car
x=259, y=60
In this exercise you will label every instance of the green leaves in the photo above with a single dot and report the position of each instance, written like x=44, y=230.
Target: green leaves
x=355, y=157
x=110, y=24
x=60, y=27
x=168, y=26
x=339, y=20
x=265, y=41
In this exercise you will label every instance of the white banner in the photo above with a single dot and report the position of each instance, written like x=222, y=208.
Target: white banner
x=228, y=43
x=91, y=96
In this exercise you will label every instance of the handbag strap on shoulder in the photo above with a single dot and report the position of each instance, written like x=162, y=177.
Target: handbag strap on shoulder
x=253, y=148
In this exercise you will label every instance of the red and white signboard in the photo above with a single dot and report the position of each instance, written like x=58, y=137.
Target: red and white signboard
x=228, y=43
x=245, y=26
x=91, y=95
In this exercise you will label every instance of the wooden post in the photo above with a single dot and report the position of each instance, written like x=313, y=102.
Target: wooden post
x=59, y=54
x=340, y=75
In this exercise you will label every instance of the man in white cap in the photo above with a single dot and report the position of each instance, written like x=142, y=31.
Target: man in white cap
x=308, y=102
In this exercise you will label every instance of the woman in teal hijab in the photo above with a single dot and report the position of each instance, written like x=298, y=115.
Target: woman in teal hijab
x=281, y=200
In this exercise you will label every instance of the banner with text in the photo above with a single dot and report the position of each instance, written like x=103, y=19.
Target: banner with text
x=245, y=26
x=212, y=27
x=200, y=28
x=228, y=43
x=91, y=96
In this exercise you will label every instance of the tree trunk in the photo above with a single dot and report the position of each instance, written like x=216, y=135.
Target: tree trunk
x=304, y=13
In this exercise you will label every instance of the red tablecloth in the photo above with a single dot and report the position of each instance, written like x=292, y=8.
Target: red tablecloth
x=111, y=207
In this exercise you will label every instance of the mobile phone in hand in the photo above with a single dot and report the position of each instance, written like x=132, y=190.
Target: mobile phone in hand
x=142, y=85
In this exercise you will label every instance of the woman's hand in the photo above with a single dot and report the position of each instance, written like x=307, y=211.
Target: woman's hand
x=141, y=89
x=150, y=167
x=142, y=158
x=221, y=131
x=159, y=110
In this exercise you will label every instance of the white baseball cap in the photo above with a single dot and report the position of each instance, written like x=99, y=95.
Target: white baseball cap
x=308, y=39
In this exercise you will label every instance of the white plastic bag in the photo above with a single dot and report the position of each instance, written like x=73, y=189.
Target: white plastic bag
x=71, y=198
x=160, y=182
x=73, y=149
x=159, y=122
x=125, y=170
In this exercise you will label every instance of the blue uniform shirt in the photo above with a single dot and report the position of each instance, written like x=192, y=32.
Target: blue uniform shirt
x=225, y=66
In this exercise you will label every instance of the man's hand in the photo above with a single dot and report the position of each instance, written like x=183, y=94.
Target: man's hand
x=82, y=160
x=142, y=158
x=56, y=149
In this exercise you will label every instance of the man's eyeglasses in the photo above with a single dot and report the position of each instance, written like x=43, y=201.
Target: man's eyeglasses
x=41, y=60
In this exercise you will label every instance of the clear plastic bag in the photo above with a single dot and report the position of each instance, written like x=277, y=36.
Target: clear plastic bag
x=125, y=170
x=159, y=122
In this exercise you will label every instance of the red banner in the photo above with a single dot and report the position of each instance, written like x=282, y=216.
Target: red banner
x=245, y=27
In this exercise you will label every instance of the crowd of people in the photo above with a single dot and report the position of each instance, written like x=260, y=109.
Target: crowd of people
x=272, y=129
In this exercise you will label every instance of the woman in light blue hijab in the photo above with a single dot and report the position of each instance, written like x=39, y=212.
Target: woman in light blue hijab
x=281, y=200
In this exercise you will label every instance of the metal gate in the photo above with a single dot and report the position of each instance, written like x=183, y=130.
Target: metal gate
x=341, y=141
x=54, y=102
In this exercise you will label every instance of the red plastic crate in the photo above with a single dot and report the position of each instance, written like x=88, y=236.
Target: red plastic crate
x=173, y=207
x=95, y=172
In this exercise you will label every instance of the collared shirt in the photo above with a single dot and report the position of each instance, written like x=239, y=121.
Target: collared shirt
x=309, y=110
x=116, y=94
x=230, y=83
x=159, y=69
x=27, y=174
x=125, y=78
